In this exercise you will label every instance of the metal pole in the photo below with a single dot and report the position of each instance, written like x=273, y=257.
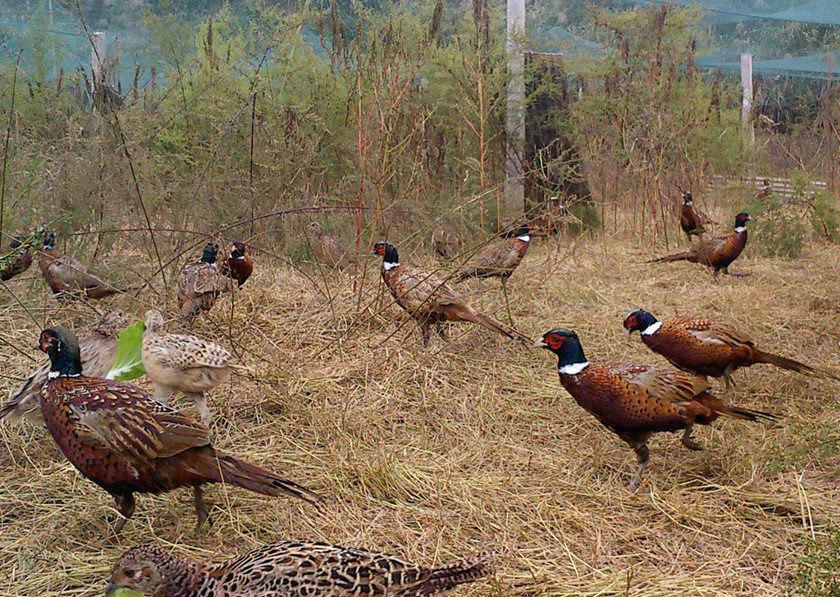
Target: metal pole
x=747, y=98
x=97, y=57
x=514, y=185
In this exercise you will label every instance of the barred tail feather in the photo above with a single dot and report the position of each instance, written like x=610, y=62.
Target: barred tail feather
x=783, y=362
x=492, y=324
x=242, y=474
x=443, y=579
x=24, y=403
x=716, y=405
x=687, y=256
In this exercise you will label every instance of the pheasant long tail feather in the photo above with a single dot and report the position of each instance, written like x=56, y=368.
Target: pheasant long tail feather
x=468, y=314
x=445, y=578
x=465, y=273
x=24, y=404
x=736, y=412
x=784, y=363
x=240, y=473
x=687, y=256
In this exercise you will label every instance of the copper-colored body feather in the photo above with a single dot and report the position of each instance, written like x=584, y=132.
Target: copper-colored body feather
x=238, y=264
x=126, y=441
x=97, y=350
x=635, y=400
x=291, y=568
x=706, y=347
x=717, y=252
x=429, y=300
x=692, y=221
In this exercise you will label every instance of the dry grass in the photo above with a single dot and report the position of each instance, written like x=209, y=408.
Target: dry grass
x=437, y=453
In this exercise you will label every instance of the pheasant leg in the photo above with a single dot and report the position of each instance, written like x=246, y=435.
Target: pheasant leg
x=200, y=508
x=688, y=442
x=643, y=454
x=125, y=504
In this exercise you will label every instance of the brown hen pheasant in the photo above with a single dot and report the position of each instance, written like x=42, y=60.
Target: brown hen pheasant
x=498, y=261
x=198, y=284
x=327, y=250
x=635, y=401
x=704, y=347
x=67, y=277
x=289, y=569
x=97, y=349
x=124, y=440
x=717, y=252
x=428, y=299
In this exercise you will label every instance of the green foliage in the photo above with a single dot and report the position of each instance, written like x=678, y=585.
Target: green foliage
x=825, y=216
x=818, y=572
x=586, y=217
x=128, y=363
x=779, y=229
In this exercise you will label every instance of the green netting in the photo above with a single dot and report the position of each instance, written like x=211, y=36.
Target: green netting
x=816, y=66
x=818, y=12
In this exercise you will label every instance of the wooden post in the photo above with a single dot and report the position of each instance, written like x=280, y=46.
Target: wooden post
x=747, y=98
x=97, y=57
x=514, y=184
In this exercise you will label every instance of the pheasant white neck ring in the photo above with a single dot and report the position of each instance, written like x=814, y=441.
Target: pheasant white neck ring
x=652, y=329
x=573, y=368
x=388, y=265
x=525, y=238
x=57, y=374
x=740, y=229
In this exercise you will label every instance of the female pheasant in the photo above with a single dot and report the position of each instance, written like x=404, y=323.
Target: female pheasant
x=183, y=363
x=704, y=347
x=67, y=277
x=635, y=401
x=126, y=441
x=287, y=569
x=327, y=249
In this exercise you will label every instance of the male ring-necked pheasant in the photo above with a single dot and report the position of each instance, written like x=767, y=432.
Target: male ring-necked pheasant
x=97, y=350
x=635, y=401
x=717, y=252
x=290, y=569
x=692, y=221
x=704, y=347
x=126, y=441
x=183, y=363
x=20, y=255
x=428, y=299
x=239, y=264
x=198, y=284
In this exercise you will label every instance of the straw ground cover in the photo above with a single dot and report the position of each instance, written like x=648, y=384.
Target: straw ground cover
x=472, y=444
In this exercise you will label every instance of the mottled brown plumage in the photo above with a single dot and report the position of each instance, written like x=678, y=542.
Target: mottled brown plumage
x=238, y=265
x=428, y=299
x=183, y=363
x=21, y=251
x=198, y=284
x=445, y=243
x=717, y=252
x=635, y=401
x=290, y=569
x=97, y=350
x=68, y=278
x=704, y=347
x=327, y=250
x=498, y=261
x=126, y=441
x=692, y=221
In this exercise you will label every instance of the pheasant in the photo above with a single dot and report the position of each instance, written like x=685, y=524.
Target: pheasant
x=238, y=265
x=67, y=277
x=126, y=441
x=290, y=568
x=717, y=252
x=635, y=401
x=498, y=261
x=445, y=244
x=327, y=249
x=19, y=257
x=692, y=221
x=98, y=350
x=183, y=362
x=704, y=347
x=198, y=284
x=428, y=299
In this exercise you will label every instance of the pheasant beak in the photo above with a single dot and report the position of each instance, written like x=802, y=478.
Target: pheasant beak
x=540, y=343
x=750, y=218
x=113, y=590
